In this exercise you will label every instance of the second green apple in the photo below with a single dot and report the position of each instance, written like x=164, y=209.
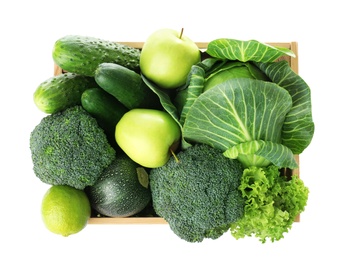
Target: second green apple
x=148, y=136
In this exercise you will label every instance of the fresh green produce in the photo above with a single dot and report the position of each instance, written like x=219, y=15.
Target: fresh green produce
x=197, y=193
x=297, y=130
x=62, y=91
x=65, y=210
x=272, y=202
x=105, y=108
x=126, y=85
x=167, y=56
x=248, y=130
x=148, y=136
x=82, y=54
x=69, y=148
x=237, y=114
x=122, y=190
x=231, y=49
x=233, y=69
x=217, y=130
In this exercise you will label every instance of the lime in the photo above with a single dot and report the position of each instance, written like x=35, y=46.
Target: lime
x=65, y=210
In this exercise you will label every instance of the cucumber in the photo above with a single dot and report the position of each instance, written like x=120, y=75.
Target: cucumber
x=82, y=54
x=121, y=190
x=126, y=85
x=62, y=91
x=105, y=108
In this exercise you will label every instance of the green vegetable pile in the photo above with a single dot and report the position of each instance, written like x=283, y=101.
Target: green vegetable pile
x=243, y=116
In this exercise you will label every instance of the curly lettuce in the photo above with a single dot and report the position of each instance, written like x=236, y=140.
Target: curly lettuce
x=272, y=203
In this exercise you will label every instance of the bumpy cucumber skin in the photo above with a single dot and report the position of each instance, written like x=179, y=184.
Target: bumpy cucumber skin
x=126, y=85
x=82, y=54
x=62, y=91
x=105, y=108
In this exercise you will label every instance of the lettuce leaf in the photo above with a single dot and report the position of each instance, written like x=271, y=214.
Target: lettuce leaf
x=272, y=203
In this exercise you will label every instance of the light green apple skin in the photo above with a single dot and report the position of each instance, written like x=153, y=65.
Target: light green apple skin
x=167, y=59
x=147, y=136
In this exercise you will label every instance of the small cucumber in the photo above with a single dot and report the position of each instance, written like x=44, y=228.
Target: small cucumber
x=62, y=91
x=82, y=54
x=105, y=108
x=126, y=85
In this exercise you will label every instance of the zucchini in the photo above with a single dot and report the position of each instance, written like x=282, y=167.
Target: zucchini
x=82, y=54
x=126, y=85
x=121, y=190
x=62, y=91
x=105, y=108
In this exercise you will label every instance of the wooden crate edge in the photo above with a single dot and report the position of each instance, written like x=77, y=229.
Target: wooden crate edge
x=129, y=220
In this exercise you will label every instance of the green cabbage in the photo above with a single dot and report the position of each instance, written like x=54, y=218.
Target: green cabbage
x=248, y=100
x=231, y=70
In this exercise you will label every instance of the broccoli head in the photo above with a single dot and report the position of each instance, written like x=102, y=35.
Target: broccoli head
x=69, y=148
x=197, y=193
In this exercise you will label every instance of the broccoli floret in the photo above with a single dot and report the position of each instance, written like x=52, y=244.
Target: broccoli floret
x=197, y=193
x=69, y=148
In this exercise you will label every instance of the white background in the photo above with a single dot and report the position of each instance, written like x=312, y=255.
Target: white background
x=28, y=32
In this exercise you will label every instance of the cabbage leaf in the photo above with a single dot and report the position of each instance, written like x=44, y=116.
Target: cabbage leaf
x=298, y=128
x=238, y=111
x=262, y=153
x=246, y=50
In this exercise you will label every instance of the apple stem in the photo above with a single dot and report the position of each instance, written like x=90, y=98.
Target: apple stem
x=175, y=156
x=181, y=33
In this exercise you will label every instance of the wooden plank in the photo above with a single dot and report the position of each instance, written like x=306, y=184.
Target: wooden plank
x=295, y=61
x=57, y=70
x=129, y=220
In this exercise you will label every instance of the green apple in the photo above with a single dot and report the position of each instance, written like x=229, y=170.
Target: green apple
x=167, y=57
x=148, y=136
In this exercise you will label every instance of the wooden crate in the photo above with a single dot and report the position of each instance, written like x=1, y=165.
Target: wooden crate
x=95, y=219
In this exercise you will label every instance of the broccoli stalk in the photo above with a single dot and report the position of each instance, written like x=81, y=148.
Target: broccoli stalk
x=197, y=193
x=69, y=148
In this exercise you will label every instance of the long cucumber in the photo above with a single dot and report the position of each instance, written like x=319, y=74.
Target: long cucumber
x=82, y=54
x=126, y=85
